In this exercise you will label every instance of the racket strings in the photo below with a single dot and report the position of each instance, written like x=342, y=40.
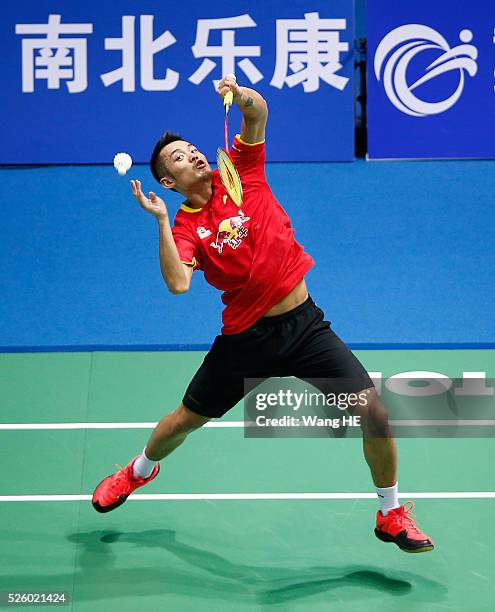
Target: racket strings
x=229, y=176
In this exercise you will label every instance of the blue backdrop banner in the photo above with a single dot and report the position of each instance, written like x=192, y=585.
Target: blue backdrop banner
x=82, y=81
x=431, y=79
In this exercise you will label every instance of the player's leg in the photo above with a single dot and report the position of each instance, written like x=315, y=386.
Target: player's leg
x=171, y=431
x=217, y=386
x=318, y=356
x=394, y=523
x=380, y=449
x=313, y=352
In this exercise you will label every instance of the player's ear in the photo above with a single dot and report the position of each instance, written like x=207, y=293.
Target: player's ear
x=168, y=182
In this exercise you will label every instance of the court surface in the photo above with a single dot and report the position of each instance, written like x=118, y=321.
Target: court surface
x=230, y=523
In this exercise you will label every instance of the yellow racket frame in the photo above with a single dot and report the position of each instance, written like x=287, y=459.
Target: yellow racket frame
x=229, y=176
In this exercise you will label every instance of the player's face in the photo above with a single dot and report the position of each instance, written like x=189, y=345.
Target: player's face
x=187, y=165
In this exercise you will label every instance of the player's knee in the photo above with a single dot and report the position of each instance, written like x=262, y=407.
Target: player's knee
x=374, y=417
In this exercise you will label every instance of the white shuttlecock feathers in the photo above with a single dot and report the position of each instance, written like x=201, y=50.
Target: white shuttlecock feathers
x=122, y=163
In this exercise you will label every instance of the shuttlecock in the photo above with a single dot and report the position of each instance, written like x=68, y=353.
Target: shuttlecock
x=122, y=163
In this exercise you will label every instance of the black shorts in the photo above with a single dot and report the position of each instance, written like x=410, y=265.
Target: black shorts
x=297, y=343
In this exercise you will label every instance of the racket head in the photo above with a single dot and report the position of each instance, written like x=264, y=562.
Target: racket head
x=229, y=176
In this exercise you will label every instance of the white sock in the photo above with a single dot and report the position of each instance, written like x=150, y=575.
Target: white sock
x=388, y=498
x=143, y=466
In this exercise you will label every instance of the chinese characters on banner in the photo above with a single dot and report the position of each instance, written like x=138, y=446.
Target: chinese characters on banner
x=115, y=79
x=308, y=50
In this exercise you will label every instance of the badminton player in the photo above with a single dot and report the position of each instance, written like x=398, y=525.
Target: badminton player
x=271, y=326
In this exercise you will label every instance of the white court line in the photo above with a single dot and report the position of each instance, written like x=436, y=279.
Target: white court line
x=239, y=424
x=253, y=496
x=442, y=422
x=143, y=425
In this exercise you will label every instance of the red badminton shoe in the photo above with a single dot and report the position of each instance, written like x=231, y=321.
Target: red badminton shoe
x=116, y=488
x=400, y=528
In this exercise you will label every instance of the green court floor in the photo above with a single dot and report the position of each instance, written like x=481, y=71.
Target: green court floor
x=212, y=553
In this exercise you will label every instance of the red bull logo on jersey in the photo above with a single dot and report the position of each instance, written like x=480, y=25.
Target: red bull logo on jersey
x=231, y=231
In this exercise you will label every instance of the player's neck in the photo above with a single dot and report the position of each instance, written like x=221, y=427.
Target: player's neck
x=199, y=195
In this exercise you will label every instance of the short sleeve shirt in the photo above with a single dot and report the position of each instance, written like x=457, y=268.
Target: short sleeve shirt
x=250, y=252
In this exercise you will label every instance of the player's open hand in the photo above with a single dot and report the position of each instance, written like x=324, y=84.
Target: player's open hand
x=154, y=205
x=229, y=83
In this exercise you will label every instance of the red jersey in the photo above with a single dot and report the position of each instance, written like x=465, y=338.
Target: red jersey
x=249, y=253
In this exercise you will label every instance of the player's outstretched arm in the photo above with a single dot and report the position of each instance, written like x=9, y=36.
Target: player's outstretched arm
x=176, y=275
x=252, y=106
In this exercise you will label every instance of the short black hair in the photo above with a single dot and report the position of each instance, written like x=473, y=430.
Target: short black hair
x=158, y=166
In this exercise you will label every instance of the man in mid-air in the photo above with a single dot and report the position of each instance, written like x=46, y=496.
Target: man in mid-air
x=271, y=326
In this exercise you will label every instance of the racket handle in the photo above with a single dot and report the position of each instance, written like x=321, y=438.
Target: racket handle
x=227, y=100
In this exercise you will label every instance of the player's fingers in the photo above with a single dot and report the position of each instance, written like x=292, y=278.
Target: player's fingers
x=232, y=87
x=153, y=197
x=138, y=194
x=226, y=83
x=230, y=80
x=141, y=195
x=226, y=90
x=223, y=89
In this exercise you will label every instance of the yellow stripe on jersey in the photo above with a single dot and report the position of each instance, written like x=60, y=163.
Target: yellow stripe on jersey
x=248, y=144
